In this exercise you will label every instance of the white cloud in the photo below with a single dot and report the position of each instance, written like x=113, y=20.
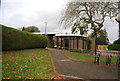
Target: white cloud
x=19, y=13
x=112, y=29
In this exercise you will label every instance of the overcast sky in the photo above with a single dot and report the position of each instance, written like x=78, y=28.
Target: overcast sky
x=19, y=13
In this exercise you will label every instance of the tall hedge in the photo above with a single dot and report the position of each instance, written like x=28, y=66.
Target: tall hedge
x=13, y=39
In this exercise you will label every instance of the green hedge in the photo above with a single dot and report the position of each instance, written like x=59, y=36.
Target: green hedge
x=117, y=42
x=114, y=47
x=13, y=39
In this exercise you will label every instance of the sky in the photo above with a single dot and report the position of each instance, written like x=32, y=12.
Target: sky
x=19, y=13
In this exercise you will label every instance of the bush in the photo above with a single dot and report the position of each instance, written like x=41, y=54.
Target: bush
x=114, y=47
x=117, y=42
x=80, y=51
x=75, y=50
x=86, y=51
x=13, y=39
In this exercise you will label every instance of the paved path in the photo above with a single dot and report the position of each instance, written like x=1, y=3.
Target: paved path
x=103, y=53
x=84, y=70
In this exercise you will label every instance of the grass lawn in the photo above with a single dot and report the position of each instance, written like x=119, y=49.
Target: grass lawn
x=87, y=57
x=27, y=64
x=112, y=51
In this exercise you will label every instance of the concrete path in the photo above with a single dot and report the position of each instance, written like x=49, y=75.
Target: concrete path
x=103, y=53
x=84, y=70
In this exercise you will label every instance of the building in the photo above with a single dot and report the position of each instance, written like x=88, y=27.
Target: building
x=50, y=36
x=69, y=41
x=102, y=47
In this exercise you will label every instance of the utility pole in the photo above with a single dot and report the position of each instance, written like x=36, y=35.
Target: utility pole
x=45, y=28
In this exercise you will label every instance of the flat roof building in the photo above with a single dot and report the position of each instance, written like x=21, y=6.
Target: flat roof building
x=70, y=41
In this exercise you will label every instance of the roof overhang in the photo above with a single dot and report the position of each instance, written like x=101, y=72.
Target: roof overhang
x=43, y=33
x=68, y=35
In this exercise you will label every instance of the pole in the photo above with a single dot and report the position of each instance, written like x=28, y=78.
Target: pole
x=45, y=28
x=95, y=45
x=119, y=19
x=119, y=29
x=95, y=36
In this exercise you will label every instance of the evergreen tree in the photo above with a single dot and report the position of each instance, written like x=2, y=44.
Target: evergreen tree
x=102, y=38
x=23, y=28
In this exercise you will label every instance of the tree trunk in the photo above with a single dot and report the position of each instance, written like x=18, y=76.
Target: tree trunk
x=93, y=45
x=118, y=20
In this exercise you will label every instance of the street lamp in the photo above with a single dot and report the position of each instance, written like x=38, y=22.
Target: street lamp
x=118, y=20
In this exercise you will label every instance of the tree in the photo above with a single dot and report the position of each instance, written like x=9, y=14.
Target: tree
x=102, y=38
x=31, y=29
x=117, y=41
x=88, y=15
x=115, y=45
x=78, y=28
x=23, y=28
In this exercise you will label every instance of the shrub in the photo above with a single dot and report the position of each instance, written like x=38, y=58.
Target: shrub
x=117, y=42
x=86, y=51
x=13, y=39
x=80, y=51
x=114, y=47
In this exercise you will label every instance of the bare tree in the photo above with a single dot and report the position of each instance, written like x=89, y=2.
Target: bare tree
x=89, y=15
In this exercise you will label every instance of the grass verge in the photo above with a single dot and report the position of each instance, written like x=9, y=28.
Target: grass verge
x=87, y=57
x=27, y=64
x=112, y=51
x=116, y=72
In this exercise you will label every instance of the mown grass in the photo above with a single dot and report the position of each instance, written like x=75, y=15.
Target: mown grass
x=27, y=64
x=116, y=72
x=87, y=57
x=112, y=51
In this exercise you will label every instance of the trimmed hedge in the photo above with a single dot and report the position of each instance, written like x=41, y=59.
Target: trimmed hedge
x=13, y=39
